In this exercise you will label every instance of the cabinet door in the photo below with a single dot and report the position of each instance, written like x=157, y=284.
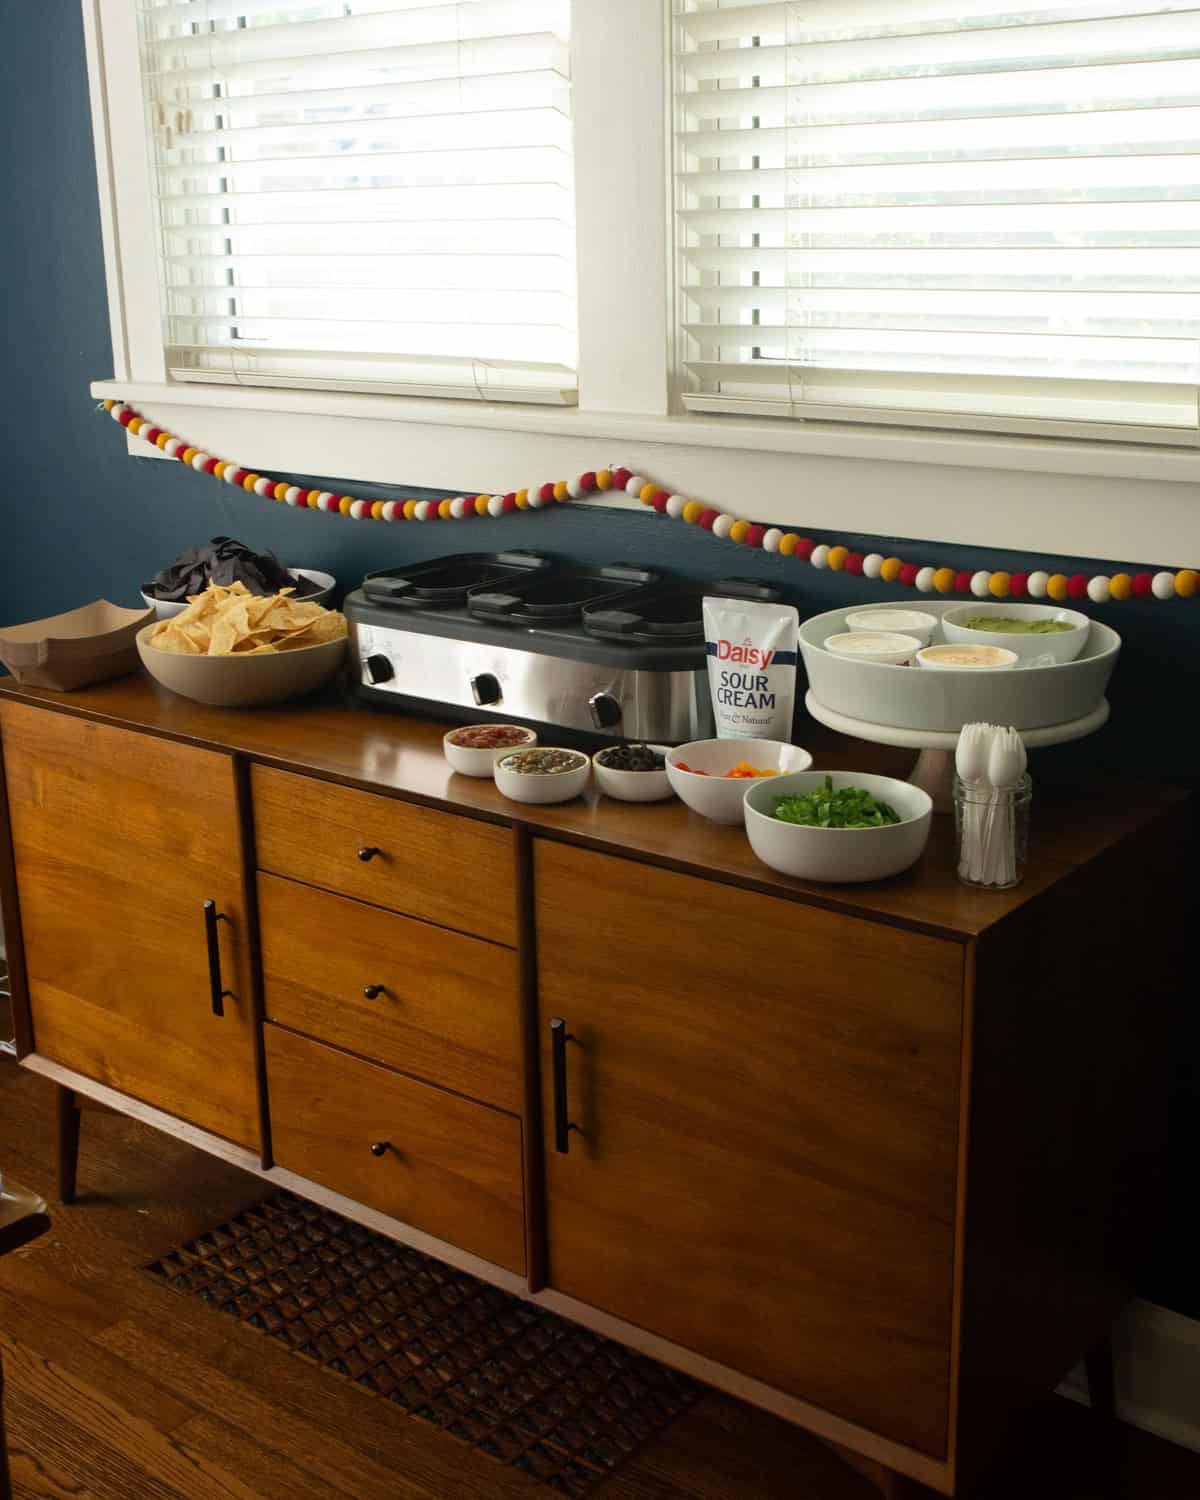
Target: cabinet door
x=119, y=839
x=767, y=1102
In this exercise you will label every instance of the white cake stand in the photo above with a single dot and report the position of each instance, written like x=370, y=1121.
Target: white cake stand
x=934, y=770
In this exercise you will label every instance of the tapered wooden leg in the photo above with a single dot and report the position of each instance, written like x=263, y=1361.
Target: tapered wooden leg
x=68, y=1142
x=1101, y=1386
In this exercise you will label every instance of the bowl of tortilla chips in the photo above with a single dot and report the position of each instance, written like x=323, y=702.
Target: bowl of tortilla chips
x=234, y=649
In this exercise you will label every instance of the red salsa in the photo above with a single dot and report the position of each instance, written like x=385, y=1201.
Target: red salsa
x=490, y=736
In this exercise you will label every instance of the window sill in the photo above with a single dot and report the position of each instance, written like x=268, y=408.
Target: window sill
x=1027, y=493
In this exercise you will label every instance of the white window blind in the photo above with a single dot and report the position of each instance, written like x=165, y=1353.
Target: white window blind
x=365, y=194
x=942, y=212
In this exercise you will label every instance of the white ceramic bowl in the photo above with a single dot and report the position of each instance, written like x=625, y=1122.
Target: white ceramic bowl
x=242, y=681
x=471, y=760
x=888, y=649
x=894, y=618
x=711, y=795
x=844, y=855
x=633, y=786
x=165, y=608
x=545, y=786
x=1063, y=645
x=940, y=658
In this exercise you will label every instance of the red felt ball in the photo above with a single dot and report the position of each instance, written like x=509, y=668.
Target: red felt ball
x=754, y=536
x=1143, y=584
x=1077, y=586
x=707, y=517
x=546, y=493
x=1018, y=585
x=804, y=548
x=908, y=574
x=962, y=581
x=148, y=434
x=509, y=502
x=587, y=481
x=126, y=417
x=210, y=464
x=620, y=478
x=664, y=495
x=853, y=564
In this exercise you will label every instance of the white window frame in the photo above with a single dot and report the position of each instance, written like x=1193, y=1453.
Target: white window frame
x=1052, y=495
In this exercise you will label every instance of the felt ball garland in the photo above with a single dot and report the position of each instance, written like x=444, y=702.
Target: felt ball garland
x=925, y=578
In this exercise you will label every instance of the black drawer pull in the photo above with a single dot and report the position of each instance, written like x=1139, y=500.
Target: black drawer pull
x=379, y=1148
x=563, y=1126
x=368, y=853
x=372, y=991
x=216, y=987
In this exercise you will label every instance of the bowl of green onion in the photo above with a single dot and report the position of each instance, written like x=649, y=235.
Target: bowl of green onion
x=838, y=826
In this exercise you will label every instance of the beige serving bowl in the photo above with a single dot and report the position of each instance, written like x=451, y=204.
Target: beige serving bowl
x=242, y=681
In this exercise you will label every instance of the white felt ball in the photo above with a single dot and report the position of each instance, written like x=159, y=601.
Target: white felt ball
x=262, y=486
x=820, y=556
x=389, y=511
x=360, y=509
x=980, y=582
x=723, y=525
x=324, y=500
x=635, y=485
x=1035, y=584
x=924, y=580
x=872, y=564
x=421, y=513
x=199, y=460
x=1162, y=585
x=496, y=505
x=233, y=475
x=1099, y=589
x=172, y=447
x=675, y=505
x=575, y=489
x=457, y=506
x=117, y=411
x=771, y=539
x=292, y=494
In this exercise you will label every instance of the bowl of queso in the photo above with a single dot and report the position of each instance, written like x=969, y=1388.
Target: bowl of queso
x=1032, y=631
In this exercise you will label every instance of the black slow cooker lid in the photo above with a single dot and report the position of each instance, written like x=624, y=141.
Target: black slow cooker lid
x=558, y=595
x=445, y=582
x=669, y=614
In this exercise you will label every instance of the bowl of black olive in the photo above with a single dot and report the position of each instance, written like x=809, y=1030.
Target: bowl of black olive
x=633, y=772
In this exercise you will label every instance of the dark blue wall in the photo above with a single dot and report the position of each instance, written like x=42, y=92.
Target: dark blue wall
x=83, y=520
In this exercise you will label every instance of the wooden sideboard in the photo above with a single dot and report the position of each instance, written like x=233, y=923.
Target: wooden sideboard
x=879, y=1158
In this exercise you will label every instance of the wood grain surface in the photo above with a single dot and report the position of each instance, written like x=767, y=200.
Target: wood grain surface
x=451, y=1168
x=447, y=1007
x=446, y=869
x=119, y=838
x=767, y=1098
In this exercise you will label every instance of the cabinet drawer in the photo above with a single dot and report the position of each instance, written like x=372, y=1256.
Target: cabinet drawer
x=450, y=1168
x=451, y=870
x=416, y=997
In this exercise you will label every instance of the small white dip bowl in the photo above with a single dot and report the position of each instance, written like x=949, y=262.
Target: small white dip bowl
x=886, y=648
x=472, y=760
x=1062, y=645
x=888, y=617
x=844, y=855
x=966, y=656
x=711, y=794
x=542, y=786
x=633, y=786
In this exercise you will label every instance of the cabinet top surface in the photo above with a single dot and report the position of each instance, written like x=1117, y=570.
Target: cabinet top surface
x=392, y=753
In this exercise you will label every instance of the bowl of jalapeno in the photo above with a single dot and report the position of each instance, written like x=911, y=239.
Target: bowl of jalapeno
x=543, y=773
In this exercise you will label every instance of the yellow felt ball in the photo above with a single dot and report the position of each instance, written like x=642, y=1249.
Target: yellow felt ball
x=444, y=510
x=737, y=532
x=311, y=499
x=1058, y=586
x=603, y=479
x=187, y=455
x=647, y=493
x=377, y=510
x=522, y=499
x=250, y=481
x=1120, y=586
x=410, y=509
x=692, y=512
x=787, y=544
x=837, y=558
x=344, y=504
x=108, y=405
x=890, y=569
x=280, y=491
x=219, y=469
x=560, y=490
x=998, y=585
x=136, y=426
x=943, y=580
x=1185, y=583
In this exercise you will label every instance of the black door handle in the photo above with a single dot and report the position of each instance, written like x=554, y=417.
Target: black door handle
x=372, y=991
x=216, y=988
x=368, y=852
x=563, y=1126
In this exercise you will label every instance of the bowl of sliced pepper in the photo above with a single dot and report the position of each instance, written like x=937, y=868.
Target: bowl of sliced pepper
x=711, y=776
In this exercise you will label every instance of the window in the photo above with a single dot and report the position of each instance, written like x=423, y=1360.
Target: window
x=364, y=194
x=941, y=212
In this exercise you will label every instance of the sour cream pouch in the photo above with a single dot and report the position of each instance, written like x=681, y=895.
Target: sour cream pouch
x=751, y=667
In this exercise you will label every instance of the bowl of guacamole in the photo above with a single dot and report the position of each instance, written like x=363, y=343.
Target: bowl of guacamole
x=1040, y=634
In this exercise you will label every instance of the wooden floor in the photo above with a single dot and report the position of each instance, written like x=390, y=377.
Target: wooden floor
x=119, y=1389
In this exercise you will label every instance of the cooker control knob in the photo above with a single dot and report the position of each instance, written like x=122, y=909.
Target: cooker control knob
x=606, y=711
x=379, y=669
x=485, y=689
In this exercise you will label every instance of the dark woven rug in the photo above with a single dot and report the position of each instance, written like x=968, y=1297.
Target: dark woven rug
x=517, y=1383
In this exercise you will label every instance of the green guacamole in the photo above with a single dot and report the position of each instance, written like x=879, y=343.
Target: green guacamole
x=1010, y=625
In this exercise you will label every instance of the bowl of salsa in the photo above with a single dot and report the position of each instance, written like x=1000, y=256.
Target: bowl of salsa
x=472, y=749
